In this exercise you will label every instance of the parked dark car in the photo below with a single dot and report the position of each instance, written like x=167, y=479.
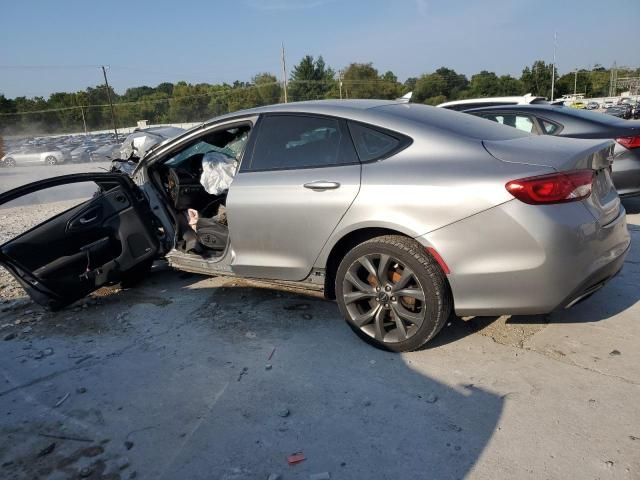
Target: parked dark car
x=105, y=153
x=82, y=153
x=622, y=110
x=570, y=122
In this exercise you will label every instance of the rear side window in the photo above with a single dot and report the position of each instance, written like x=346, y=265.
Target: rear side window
x=300, y=141
x=521, y=122
x=372, y=144
x=549, y=127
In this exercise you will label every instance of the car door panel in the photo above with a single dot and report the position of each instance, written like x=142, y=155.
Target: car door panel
x=278, y=226
x=89, y=245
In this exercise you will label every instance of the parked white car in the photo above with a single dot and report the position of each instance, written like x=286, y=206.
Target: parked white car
x=33, y=156
x=492, y=102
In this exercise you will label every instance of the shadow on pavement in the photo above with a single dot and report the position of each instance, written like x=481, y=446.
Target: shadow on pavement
x=189, y=385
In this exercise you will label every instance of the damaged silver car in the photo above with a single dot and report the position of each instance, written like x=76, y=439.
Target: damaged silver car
x=401, y=212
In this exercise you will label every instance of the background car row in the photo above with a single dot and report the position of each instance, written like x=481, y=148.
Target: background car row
x=62, y=149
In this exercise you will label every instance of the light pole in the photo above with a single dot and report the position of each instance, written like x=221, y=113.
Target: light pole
x=553, y=68
x=113, y=112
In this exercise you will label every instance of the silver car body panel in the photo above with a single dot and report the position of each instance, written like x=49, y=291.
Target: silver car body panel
x=281, y=237
x=525, y=259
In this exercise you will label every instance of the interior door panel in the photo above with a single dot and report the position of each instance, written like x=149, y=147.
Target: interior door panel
x=85, y=247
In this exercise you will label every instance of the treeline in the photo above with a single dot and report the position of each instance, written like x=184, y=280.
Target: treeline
x=311, y=79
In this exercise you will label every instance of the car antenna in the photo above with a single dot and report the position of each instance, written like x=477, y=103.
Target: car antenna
x=405, y=98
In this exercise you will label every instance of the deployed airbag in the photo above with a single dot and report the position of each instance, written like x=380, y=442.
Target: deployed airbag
x=218, y=171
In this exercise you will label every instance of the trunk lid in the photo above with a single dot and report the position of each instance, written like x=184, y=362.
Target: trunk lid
x=566, y=154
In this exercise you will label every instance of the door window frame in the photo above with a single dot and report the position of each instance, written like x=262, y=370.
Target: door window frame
x=245, y=165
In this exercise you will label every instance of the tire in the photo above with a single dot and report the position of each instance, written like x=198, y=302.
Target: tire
x=9, y=162
x=137, y=274
x=365, y=293
x=51, y=160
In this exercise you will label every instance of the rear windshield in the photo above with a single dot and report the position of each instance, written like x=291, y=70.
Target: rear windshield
x=458, y=123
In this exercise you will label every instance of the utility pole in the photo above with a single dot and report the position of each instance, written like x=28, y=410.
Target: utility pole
x=113, y=112
x=553, y=68
x=575, y=83
x=284, y=75
x=84, y=123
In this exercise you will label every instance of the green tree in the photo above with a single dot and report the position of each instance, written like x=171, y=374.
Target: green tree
x=311, y=79
x=361, y=80
x=537, y=79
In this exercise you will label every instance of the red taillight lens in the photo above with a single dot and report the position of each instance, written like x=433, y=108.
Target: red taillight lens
x=553, y=188
x=629, y=142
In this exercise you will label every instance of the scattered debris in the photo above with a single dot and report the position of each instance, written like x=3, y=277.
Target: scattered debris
x=128, y=444
x=431, y=398
x=298, y=306
x=633, y=437
x=81, y=390
x=122, y=463
x=243, y=372
x=82, y=359
x=268, y=366
x=271, y=354
x=367, y=403
x=609, y=463
x=9, y=336
x=47, y=450
x=320, y=476
x=273, y=476
x=284, y=412
x=61, y=401
x=66, y=437
x=296, y=458
x=372, y=362
x=615, y=352
x=307, y=316
x=86, y=472
x=27, y=330
x=250, y=335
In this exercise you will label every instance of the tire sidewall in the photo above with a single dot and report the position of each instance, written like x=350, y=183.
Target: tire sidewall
x=433, y=302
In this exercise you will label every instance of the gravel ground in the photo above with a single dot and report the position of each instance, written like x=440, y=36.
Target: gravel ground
x=187, y=376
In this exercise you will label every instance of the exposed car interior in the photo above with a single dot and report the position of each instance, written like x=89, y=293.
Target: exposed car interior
x=85, y=247
x=196, y=180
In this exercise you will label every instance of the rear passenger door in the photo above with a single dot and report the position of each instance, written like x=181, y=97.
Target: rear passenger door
x=299, y=175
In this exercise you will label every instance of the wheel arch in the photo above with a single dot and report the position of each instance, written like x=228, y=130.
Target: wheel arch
x=341, y=247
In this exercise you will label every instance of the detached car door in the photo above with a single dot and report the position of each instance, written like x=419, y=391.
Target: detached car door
x=76, y=251
x=299, y=175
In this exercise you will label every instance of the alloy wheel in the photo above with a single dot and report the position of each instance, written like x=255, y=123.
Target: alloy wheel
x=384, y=298
x=51, y=160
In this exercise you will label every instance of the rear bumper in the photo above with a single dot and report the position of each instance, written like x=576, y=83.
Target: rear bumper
x=522, y=259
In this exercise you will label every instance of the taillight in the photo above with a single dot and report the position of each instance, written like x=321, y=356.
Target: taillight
x=553, y=188
x=629, y=142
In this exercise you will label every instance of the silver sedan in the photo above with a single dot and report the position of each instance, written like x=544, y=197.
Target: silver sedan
x=33, y=156
x=401, y=212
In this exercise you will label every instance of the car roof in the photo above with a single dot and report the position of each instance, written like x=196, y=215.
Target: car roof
x=396, y=115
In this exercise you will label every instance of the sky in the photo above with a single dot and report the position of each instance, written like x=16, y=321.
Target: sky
x=48, y=46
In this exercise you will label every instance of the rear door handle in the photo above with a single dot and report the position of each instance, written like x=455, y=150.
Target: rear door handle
x=321, y=185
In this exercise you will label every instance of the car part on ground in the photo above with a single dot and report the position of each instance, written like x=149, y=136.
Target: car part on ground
x=424, y=204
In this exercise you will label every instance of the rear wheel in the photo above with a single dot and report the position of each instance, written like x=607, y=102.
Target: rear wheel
x=392, y=293
x=9, y=162
x=51, y=160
